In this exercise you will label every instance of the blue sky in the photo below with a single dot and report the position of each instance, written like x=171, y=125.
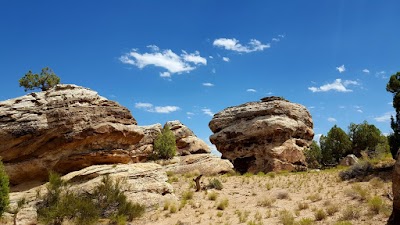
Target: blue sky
x=186, y=60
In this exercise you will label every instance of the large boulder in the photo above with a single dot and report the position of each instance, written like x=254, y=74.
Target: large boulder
x=395, y=217
x=64, y=129
x=349, y=160
x=269, y=135
x=143, y=183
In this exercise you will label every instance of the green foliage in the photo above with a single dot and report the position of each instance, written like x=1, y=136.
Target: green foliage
x=215, y=183
x=364, y=136
x=44, y=81
x=313, y=155
x=335, y=145
x=4, y=189
x=164, y=145
x=106, y=201
x=359, y=170
x=393, y=86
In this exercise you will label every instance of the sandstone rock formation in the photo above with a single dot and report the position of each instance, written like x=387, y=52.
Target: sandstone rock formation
x=263, y=136
x=186, y=141
x=395, y=217
x=205, y=164
x=65, y=129
x=143, y=183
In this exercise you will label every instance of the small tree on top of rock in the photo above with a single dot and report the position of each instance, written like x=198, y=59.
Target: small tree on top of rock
x=164, y=144
x=44, y=81
x=4, y=189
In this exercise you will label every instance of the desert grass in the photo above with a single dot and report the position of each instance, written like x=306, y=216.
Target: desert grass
x=278, y=198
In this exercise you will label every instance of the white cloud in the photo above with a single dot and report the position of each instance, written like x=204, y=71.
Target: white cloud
x=189, y=113
x=156, y=109
x=143, y=105
x=208, y=84
x=365, y=70
x=194, y=58
x=251, y=90
x=281, y=35
x=154, y=48
x=311, y=107
x=213, y=70
x=166, y=59
x=275, y=39
x=338, y=85
x=208, y=112
x=359, y=110
x=270, y=93
x=341, y=69
x=317, y=137
x=381, y=74
x=234, y=45
x=166, y=109
x=384, y=118
x=332, y=120
x=226, y=59
x=165, y=74
x=211, y=57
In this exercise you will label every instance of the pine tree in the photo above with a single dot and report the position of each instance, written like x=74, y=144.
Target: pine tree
x=165, y=145
x=44, y=81
x=4, y=189
x=393, y=86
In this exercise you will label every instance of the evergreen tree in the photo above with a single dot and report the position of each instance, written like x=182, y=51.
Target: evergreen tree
x=165, y=145
x=335, y=145
x=44, y=81
x=4, y=189
x=364, y=136
x=393, y=86
x=313, y=155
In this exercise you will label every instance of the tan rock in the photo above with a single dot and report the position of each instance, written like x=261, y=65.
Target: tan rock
x=64, y=129
x=349, y=160
x=263, y=136
x=205, y=164
x=143, y=183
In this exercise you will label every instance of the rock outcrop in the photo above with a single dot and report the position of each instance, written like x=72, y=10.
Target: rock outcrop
x=186, y=141
x=143, y=183
x=263, y=136
x=64, y=129
x=349, y=160
x=395, y=217
x=205, y=164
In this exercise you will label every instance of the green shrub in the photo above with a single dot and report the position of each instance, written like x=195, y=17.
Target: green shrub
x=350, y=213
x=216, y=184
x=4, y=189
x=164, y=145
x=359, y=170
x=212, y=196
x=375, y=204
x=319, y=215
x=223, y=204
x=305, y=221
x=106, y=201
x=286, y=218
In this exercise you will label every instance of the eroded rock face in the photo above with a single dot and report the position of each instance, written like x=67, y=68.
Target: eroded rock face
x=143, y=183
x=63, y=129
x=263, y=136
x=395, y=217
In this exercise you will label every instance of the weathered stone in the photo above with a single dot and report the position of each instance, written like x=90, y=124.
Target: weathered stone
x=349, y=160
x=64, y=129
x=263, y=136
x=143, y=183
x=205, y=164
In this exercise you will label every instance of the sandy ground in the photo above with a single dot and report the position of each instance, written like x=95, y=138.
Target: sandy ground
x=287, y=198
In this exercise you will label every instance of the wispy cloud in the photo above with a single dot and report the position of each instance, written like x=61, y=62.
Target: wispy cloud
x=208, y=84
x=332, y=120
x=226, y=59
x=156, y=109
x=234, y=45
x=381, y=74
x=338, y=85
x=165, y=74
x=384, y=118
x=207, y=111
x=251, y=90
x=341, y=69
x=365, y=70
x=166, y=59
